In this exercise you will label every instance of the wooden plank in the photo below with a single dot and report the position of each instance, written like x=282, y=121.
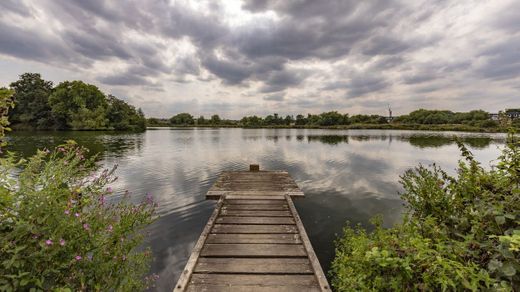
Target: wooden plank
x=255, y=213
x=254, y=280
x=255, y=202
x=253, y=250
x=251, y=197
x=217, y=194
x=192, y=261
x=231, y=228
x=254, y=265
x=249, y=288
x=279, y=238
x=255, y=220
x=256, y=207
x=318, y=271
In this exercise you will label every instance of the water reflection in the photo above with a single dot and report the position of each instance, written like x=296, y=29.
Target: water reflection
x=347, y=175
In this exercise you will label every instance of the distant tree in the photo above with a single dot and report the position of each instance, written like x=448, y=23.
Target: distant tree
x=77, y=105
x=288, y=120
x=31, y=94
x=300, y=120
x=201, y=120
x=215, y=120
x=122, y=116
x=182, y=119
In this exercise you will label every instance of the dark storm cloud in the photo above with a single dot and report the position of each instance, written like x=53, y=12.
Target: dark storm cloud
x=363, y=84
x=280, y=80
x=31, y=45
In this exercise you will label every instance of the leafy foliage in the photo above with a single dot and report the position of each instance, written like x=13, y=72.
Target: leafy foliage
x=460, y=233
x=60, y=228
x=70, y=105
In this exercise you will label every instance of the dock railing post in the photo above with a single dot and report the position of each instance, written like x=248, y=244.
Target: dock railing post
x=254, y=167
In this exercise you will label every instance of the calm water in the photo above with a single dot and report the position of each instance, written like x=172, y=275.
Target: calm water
x=347, y=175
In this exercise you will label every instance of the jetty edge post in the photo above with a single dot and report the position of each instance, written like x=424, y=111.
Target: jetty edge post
x=254, y=167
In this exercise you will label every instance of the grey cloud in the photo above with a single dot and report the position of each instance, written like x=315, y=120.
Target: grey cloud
x=385, y=45
x=274, y=97
x=14, y=6
x=364, y=83
x=502, y=61
x=280, y=80
x=419, y=77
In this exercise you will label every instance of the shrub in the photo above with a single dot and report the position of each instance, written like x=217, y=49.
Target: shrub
x=458, y=233
x=61, y=229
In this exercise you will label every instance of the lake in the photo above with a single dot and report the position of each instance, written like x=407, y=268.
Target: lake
x=346, y=175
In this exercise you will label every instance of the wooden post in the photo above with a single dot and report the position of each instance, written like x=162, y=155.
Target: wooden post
x=254, y=167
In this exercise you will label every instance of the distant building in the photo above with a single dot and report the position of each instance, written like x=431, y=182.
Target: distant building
x=513, y=114
x=493, y=117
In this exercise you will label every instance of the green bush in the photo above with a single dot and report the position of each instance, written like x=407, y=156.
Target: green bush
x=459, y=233
x=61, y=228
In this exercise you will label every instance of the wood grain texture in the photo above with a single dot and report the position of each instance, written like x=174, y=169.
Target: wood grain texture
x=291, y=238
x=255, y=220
x=253, y=250
x=254, y=266
x=253, y=228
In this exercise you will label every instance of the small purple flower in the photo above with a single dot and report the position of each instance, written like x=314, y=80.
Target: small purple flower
x=62, y=242
x=76, y=214
x=102, y=200
x=48, y=242
x=86, y=226
x=67, y=212
x=78, y=258
x=109, y=190
x=149, y=198
x=109, y=228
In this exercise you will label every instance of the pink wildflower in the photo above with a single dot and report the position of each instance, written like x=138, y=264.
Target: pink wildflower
x=109, y=228
x=48, y=242
x=109, y=190
x=78, y=257
x=76, y=214
x=62, y=242
x=86, y=226
x=67, y=212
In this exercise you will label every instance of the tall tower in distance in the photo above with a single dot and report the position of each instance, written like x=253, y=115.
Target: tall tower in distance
x=390, y=118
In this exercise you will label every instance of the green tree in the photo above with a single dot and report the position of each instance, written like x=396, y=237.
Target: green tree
x=79, y=106
x=182, y=119
x=215, y=120
x=122, y=116
x=31, y=94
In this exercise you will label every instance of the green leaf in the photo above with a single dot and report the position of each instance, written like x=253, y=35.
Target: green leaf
x=494, y=265
x=508, y=269
x=500, y=220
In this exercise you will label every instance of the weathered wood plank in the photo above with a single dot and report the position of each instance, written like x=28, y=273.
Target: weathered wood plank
x=254, y=265
x=318, y=271
x=277, y=196
x=215, y=194
x=192, y=261
x=254, y=280
x=249, y=288
x=255, y=220
x=231, y=228
x=280, y=238
x=253, y=250
x=255, y=202
x=256, y=207
x=255, y=213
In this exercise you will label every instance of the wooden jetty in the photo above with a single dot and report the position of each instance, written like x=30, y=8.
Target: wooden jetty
x=254, y=240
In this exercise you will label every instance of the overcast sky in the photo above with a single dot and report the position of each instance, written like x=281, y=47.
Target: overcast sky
x=264, y=56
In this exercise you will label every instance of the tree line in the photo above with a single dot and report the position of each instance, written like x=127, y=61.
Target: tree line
x=71, y=105
x=475, y=118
